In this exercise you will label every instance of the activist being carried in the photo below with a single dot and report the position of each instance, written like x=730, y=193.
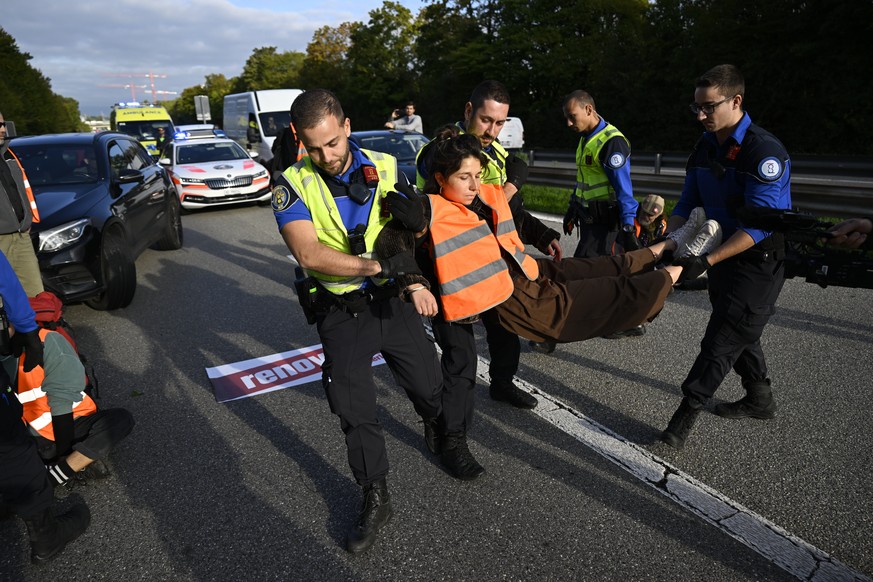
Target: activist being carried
x=479, y=261
x=329, y=209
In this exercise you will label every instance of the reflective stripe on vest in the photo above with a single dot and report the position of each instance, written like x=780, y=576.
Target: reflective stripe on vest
x=37, y=412
x=33, y=209
x=591, y=180
x=471, y=271
x=328, y=223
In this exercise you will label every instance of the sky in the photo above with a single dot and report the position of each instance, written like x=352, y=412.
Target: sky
x=83, y=44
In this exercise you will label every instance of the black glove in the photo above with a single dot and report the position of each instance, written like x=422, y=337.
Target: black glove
x=30, y=344
x=629, y=241
x=692, y=267
x=402, y=264
x=570, y=219
x=407, y=209
x=516, y=171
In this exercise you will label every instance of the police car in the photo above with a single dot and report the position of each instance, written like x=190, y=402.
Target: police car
x=210, y=170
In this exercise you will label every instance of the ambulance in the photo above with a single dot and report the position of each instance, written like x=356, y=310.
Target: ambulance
x=142, y=122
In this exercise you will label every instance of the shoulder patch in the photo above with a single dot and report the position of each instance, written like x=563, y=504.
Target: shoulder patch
x=615, y=161
x=282, y=198
x=770, y=169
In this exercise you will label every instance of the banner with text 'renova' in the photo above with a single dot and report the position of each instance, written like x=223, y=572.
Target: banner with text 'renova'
x=269, y=373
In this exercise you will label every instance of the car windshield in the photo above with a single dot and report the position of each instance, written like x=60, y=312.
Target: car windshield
x=403, y=146
x=145, y=130
x=199, y=153
x=51, y=165
x=274, y=121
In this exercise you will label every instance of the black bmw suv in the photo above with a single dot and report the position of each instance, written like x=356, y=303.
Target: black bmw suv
x=102, y=200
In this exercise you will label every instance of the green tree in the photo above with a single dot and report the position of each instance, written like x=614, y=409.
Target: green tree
x=325, y=65
x=382, y=68
x=268, y=69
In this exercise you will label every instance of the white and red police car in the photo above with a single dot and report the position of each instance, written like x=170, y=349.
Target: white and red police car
x=210, y=170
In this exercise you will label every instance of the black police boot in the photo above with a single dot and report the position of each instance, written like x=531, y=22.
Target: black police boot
x=457, y=458
x=375, y=514
x=542, y=347
x=506, y=391
x=681, y=424
x=49, y=534
x=757, y=403
x=632, y=332
x=432, y=436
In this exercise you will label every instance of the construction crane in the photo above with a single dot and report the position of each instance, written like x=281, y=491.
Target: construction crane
x=132, y=88
x=150, y=76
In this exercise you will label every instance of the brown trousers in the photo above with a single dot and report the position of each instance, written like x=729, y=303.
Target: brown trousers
x=578, y=299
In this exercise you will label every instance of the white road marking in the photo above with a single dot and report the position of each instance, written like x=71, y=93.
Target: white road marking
x=784, y=549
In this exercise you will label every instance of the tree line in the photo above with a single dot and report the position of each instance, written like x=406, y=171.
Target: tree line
x=805, y=65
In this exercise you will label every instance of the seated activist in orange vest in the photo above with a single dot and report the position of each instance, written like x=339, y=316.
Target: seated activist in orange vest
x=479, y=263
x=73, y=435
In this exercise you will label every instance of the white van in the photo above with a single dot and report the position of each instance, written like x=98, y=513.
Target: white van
x=253, y=119
x=512, y=135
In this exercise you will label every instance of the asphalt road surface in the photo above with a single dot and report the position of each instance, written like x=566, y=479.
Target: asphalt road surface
x=259, y=488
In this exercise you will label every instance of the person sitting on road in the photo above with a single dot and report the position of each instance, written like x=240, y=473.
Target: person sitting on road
x=73, y=435
x=650, y=223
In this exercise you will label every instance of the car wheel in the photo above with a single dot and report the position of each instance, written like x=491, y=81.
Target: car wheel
x=173, y=236
x=118, y=273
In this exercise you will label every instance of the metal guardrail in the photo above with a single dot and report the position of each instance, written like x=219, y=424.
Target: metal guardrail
x=822, y=186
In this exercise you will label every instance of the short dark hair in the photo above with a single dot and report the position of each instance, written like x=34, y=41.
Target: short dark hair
x=493, y=90
x=312, y=107
x=449, y=148
x=408, y=103
x=579, y=96
x=727, y=78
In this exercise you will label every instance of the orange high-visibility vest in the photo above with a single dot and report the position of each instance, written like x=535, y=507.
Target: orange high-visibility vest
x=472, y=273
x=37, y=412
x=301, y=150
x=33, y=209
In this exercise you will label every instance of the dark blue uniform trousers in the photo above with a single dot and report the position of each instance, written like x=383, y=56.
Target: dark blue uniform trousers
x=350, y=341
x=743, y=291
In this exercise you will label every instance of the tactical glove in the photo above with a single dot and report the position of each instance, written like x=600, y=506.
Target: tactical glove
x=407, y=209
x=30, y=344
x=692, y=267
x=401, y=264
x=570, y=219
x=629, y=241
x=516, y=171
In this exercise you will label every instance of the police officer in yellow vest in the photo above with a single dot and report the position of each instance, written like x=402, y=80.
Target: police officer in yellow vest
x=484, y=116
x=602, y=204
x=329, y=207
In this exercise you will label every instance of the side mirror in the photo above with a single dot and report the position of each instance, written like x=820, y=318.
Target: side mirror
x=165, y=162
x=254, y=155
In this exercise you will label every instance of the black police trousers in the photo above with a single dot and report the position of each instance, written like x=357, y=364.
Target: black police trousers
x=350, y=341
x=459, y=364
x=595, y=240
x=24, y=482
x=743, y=291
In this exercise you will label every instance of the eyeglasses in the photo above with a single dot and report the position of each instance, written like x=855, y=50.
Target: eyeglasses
x=707, y=108
x=2, y=124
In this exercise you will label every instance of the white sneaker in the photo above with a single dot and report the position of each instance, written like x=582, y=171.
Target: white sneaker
x=683, y=235
x=708, y=237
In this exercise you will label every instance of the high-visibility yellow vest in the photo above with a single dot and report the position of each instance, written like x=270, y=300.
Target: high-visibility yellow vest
x=326, y=219
x=493, y=173
x=591, y=180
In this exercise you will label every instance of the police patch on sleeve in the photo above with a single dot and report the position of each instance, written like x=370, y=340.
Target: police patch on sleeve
x=616, y=161
x=770, y=169
x=282, y=198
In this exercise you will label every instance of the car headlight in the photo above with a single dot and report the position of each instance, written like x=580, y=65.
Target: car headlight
x=62, y=236
x=184, y=180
